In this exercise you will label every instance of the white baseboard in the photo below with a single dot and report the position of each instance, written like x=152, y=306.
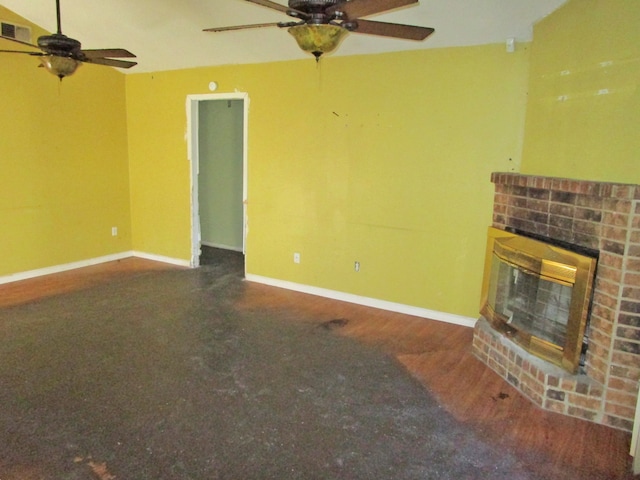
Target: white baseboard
x=161, y=258
x=366, y=301
x=15, y=277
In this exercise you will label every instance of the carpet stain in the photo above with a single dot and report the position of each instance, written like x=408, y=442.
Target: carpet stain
x=334, y=324
x=99, y=469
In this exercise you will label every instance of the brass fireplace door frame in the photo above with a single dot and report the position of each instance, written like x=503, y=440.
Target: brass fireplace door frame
x=551, y=263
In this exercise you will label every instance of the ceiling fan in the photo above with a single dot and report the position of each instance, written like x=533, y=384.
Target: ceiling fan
x=61, y=55
x=321, y=24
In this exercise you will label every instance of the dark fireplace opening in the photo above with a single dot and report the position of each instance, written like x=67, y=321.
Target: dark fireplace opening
x=539, y=295
x=581, y=249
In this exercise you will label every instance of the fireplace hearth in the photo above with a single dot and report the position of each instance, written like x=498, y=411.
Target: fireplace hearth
x=596, y=216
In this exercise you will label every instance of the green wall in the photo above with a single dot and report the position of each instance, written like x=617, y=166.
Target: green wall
x=583, y=115
x=221, y=143
x=64, y=179
x=381, y=159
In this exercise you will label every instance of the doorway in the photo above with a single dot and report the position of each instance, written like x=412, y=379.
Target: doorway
x=217, y=145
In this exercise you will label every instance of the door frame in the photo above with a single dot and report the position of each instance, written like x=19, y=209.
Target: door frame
x=193, y=155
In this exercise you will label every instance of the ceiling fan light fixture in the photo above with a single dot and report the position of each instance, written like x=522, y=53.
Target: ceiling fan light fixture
x=318, y=39
x=59, y=66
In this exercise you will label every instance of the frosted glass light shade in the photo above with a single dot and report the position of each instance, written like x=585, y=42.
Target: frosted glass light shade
x=59, y=66
x=318, y=39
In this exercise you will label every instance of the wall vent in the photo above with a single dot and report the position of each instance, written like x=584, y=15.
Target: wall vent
x=18, y=32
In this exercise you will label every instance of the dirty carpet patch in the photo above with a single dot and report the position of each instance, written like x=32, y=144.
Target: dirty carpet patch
x=160, y=376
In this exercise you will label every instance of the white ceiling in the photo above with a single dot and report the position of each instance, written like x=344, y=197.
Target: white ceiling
x=167, y=34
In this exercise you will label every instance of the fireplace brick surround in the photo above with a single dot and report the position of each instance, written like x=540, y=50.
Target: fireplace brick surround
x=600, y=216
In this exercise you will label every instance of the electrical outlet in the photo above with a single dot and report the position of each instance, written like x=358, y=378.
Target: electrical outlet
x=356, y=266
x=296, y=257
x=114, y=231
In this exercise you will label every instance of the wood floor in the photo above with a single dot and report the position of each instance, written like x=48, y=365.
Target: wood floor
x=437, y=354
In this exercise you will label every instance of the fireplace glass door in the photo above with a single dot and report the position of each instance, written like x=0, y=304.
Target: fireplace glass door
x=531, y=303
x=538, y=295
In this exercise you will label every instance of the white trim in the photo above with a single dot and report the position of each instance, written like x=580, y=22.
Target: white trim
x=193, y=158
x=15, y=277
x=366, y=301
x=162, y=258
x=193, y=155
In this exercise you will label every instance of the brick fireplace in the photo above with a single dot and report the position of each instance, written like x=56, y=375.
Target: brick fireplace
x=599, y=216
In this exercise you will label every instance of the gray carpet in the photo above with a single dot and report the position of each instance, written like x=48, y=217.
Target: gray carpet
x=161, y=376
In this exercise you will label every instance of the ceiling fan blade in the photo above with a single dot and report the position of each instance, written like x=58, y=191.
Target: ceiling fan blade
x=255, y=25
x=35, y=54
x=19, y=41
x=108, y=52
x=361, y=8
x=111, y=62
x=396, y=30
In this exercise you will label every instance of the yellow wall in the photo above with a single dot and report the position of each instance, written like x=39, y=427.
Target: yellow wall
x=63, y=163
x=583, y=115
x=381, y=159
